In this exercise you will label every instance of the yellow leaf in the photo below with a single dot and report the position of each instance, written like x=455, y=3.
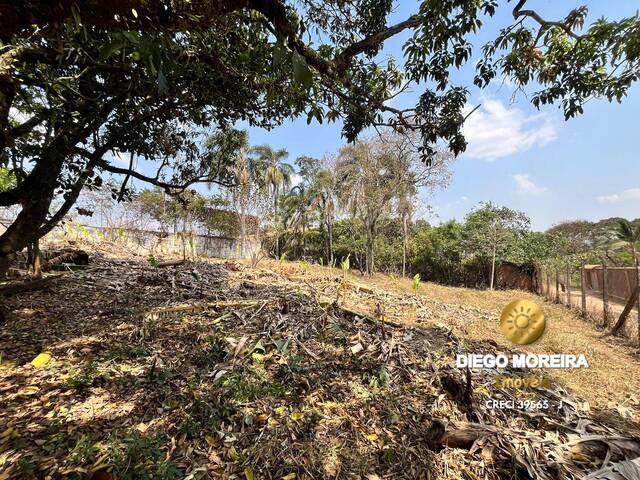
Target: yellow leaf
x=297, y=416
x=211, y=440
x=262, y=417
x=248, y=473
x=41, y=359
x=134, y=12
x=233, y=454
x=372, y=437
x=281, y=410
x=289, y=476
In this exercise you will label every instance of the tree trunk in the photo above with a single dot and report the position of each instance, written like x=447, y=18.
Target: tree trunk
x=625, y=313
x=568, y=286
x=25, y=228
x=243, y=232
x=493, y=267
x=370, y=227
x=635, y=254
x=37, y=259
x=583, y=291
x=330, y=229
x=404, y=244
x=275, y=221
x=605, y=296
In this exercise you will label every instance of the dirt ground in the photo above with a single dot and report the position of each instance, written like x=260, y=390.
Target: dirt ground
x=613, y=377
x=215, y=369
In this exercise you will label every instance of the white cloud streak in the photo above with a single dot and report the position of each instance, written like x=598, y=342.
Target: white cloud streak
x=526, y=186
x=630, y=194
x=495, y=131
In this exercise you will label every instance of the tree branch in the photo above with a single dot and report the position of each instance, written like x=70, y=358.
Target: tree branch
x=518, y=12
x=169, y=188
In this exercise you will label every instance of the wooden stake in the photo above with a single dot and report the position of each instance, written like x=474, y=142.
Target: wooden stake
x=546, y=274
x=583, y=291
x=568, y=285
x=605, y=296
x=557, y=285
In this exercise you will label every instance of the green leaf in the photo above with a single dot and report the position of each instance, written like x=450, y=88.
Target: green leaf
x=280, y=55
x=301, y=72
x=107, y=50
x=133, y=37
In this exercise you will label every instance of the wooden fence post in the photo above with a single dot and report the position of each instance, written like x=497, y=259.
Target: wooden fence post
x=557, y=285
x=605, y=296
x=569, y=285
x=638, y=294
x=627, y=308
x=583, y=291
x=546, y=274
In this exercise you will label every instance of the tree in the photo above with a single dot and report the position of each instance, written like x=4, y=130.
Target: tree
x=490, y=230
x=324, y=190
x=439, y=252
x=273, y=174
x=629, y=236
x=371, y=173
x=83, y=82
x=295, y=207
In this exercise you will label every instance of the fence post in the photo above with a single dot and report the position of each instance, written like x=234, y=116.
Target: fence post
x=557, y=285
x=546, y=274
x=638, y=294
x=569, y=285
x=605, y=296
x=583, y=291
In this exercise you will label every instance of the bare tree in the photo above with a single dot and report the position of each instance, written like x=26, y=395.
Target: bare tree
x=375, y=172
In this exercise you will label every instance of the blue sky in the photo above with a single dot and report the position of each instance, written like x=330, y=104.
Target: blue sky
x=586, y=168
x=534, y=161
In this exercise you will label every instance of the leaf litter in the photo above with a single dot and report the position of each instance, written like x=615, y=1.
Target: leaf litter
x=219, y=370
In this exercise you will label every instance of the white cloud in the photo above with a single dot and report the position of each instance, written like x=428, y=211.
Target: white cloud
x=630, y=194
x=526, y=185
x=495, y=131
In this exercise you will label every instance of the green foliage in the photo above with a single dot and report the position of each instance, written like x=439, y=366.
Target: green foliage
x=82, y=378
x=151, y=260
x=7, y=179
x=491, y=229
x=119, y=81
x=345, y=265
x=415, y=284
x=136, y=456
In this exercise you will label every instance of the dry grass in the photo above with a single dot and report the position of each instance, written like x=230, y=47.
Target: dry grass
x=613, y=377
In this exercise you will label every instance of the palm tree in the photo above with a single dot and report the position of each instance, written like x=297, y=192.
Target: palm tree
x=628, y=236
x=274, y=176
x=323, y=193
x=294, y=208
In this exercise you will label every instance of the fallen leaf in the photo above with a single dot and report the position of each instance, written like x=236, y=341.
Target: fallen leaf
x=248, y=473
x=42, y=359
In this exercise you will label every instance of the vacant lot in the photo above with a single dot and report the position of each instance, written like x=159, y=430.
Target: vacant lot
x=220, y=370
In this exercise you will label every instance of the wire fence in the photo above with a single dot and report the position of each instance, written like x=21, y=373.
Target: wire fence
x=602, y=294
